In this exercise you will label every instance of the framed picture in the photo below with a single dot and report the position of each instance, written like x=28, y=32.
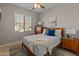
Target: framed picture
x=53, y=21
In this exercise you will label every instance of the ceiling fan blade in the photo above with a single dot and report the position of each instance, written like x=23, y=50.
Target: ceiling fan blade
x=42, y=6
x=38, y=4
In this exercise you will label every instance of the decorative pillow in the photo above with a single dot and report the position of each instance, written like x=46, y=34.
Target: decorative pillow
x=58, y=33
x=51, y=33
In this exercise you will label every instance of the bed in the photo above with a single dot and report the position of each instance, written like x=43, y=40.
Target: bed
x=41, y=44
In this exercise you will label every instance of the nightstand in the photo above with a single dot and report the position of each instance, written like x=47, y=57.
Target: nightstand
x=71, y=44
x=38, y=29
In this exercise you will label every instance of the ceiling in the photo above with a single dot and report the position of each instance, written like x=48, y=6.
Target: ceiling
x=29, y=6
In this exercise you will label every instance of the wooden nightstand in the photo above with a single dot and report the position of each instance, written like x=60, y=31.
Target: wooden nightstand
x=71, y=43
x=38, y=29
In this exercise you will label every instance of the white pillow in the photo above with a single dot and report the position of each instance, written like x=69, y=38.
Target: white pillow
x=58, y=33
x=45, y=31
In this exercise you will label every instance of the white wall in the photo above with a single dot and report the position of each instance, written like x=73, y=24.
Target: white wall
x=67, y=15
x=7, y=23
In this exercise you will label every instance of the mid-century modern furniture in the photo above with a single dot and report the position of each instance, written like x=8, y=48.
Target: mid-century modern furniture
x=71, y=44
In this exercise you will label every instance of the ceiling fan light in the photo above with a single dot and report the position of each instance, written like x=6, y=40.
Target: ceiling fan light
x=38, y=6
x=35, y=5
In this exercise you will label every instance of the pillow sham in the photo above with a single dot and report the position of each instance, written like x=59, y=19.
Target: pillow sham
x=58, y=33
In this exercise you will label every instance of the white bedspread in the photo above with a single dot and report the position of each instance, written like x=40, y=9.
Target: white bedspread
x=39, y=44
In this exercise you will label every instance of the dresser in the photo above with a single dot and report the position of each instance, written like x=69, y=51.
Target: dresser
x=71, y=44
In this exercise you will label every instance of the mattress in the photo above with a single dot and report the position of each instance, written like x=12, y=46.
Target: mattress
x=40, y=44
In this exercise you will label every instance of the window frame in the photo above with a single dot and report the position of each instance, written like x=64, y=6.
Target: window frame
x=24, y=23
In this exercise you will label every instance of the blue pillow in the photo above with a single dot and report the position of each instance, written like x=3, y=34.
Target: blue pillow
x=51, y=33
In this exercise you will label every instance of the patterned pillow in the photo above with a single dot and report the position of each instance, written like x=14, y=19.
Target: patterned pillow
x=58, y=33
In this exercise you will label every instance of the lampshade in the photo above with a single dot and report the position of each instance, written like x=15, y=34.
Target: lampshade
x=70, y=31
x=39, y=23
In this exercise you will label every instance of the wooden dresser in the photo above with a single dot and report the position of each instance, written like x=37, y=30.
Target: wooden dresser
x=71, y=43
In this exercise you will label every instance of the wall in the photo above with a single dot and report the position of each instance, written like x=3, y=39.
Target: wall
x=7, y=23
x=67, y=15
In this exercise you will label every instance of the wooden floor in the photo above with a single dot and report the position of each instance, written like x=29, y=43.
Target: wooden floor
x=4, y=51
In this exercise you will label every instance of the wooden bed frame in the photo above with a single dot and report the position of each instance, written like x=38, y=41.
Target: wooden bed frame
x=30, y=53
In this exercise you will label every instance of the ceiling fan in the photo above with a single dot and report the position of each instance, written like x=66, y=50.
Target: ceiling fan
x=38, y=5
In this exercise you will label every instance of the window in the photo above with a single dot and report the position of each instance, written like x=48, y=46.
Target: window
x=28, y=23
x=22, y=23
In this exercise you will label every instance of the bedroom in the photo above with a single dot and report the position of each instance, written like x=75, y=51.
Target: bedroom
x=65, y=16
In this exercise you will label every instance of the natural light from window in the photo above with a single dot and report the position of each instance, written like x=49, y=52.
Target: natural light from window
x=23, y=23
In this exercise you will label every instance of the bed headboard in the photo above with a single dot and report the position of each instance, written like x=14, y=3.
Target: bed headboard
x=58, y=28
x=62, y=30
